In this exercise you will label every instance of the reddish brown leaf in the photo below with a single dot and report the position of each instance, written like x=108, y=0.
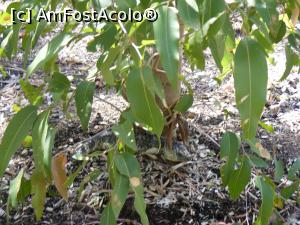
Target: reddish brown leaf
x=59, y=174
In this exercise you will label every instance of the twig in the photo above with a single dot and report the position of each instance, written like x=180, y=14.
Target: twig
x=206, y=135
x=133, y=44
x=108, y=103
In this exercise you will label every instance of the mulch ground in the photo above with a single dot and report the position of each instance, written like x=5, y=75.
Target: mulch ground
x=185, y=193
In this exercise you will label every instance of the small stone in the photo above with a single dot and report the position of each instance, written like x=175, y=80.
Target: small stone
x=49, y=209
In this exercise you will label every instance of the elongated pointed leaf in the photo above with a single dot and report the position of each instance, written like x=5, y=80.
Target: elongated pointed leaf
x=125, y=133
x=59, y=86
x=39, y=135
x=288, y=191
x=166, y=32
x=15, y=133
x=84, y=100
x=250, y=82
x=49, y=51
x=230, y=146
x=239, y=179
x=188, y=11
x=108, y=216
x=257, y=162
x=279, y=171
x=266, y=208
x=49, y=144
x=185, y=102
x=14, y=188
x=294, y=169
x=32, y=93
x=143, y=103
x=292, y=59
x=119, y=194
x=213, y=11
x=59, y=175
x=38, y=191
x=128, y=165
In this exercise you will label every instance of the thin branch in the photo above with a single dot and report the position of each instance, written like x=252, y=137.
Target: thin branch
x=205, y=134
x=108, y=103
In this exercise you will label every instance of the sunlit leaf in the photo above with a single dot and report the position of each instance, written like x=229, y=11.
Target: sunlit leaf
x=250, y=82
x=27, y=142
x=32, y=93
x=14, y=188
x=59, y=86
x=15, y=133
x=49, y=51
x=166, y=32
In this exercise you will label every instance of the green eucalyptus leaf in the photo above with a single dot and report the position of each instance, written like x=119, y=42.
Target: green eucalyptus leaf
x=108, y=216
x=184, y=103
x=279, y=170
x=128, y=166
x=213, y=10
x=126, y=4
x=15, y=133
x=292, y=59
x=48, y=146
x=294, y=169
x=49, y=51
x=119, y=194
x=188, y=11
x=239, y=179
x=288, y=191
x=32, y=93
x=125, y=133
x=39, y=135
x=258, y=162
x=142, y=102
x=84, y=100
x=250, y=82
x=59, y=86
x=277, y=31
x=166, y=32
x=230, y=145
x=266, y=209
x=14, y=188
x=105, y=39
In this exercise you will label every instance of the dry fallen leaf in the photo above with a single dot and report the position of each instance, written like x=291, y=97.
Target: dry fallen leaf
x=262, y=151
x=59, y=174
